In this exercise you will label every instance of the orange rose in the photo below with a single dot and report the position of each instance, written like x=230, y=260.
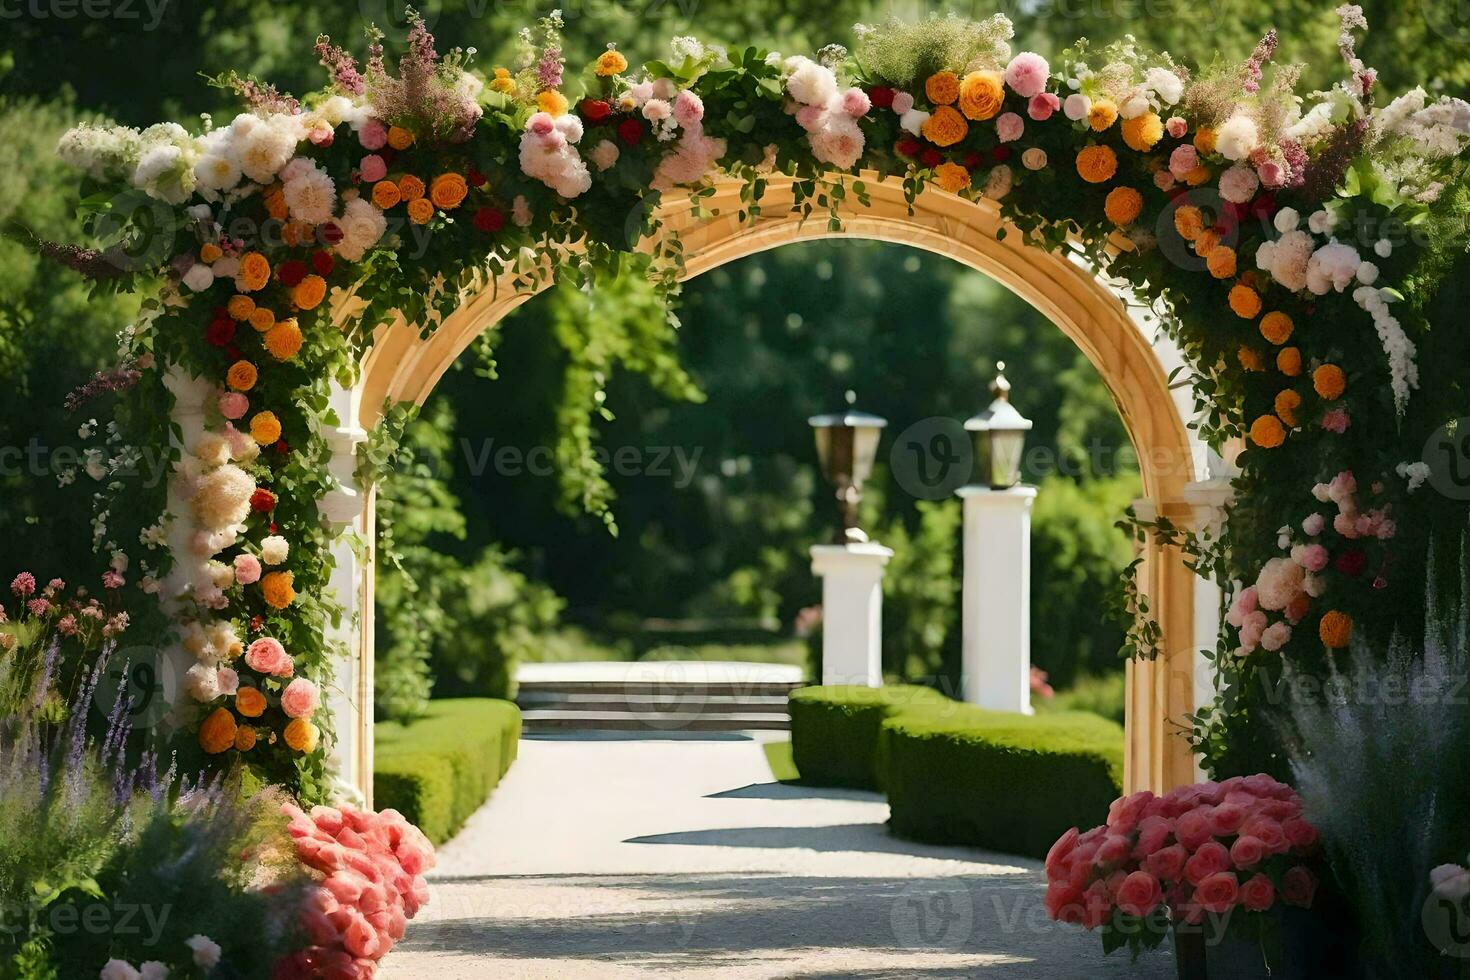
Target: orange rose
x=1096, y=164
x=209, y=252
x=244, y=739
x=295, y=233
x=1104, y=113
x=1142, y=132
x=301, y=735
x=240, y=307
x=1289, y=362
x=265, y=428
x=255, y=271
x=1249, y=359
x=309, y=292
x=1221, y=261
x=552, y=102
x=386, y=194
x=1123, y=205
x=410, y=188
x=447, y=191
x=1329, y=382
x=420, y=210
x=262, y=319
x=1276, y=327
x=284, y=340
x=250, y=702
x=1335, y=629
x=945, y=127
x=1245, y=302
x=241, y=376
x=1287, y=402
x=1206, y=242
x=942, y=87
x=277, y=589
x=982, y=95
x=952, y=177
x=1267, y=432
x=399, y=138
x=217, y=733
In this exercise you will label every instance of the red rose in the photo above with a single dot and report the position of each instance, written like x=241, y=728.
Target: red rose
x=1210, y=859
x=1217, y=892
x=281, y=448
x=475, y=178
x=489, y=220
x=1264, y=206
x=595, y=110
x=908, y=147
x=322, y=263
x=1351, y=562
x=1140, y=894
x=630, y=131
x=291, y=272
x=881, y=96
x=972, y=160
x=1167, y=863
x=234, y=353
x=1299, y=887
x=220, y=332
x=331, y=234
x=262, y=500
x=221, y=313
x=1258, y=894
x=931, y=157
x=1000, y=154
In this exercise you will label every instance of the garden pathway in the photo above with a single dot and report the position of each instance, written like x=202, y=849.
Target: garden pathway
x=625, y=857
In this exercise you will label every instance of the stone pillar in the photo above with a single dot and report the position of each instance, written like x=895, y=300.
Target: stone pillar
x=852, y=611
x=345, y=509
x=996, y=620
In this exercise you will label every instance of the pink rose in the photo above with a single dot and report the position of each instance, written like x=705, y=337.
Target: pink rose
x=1114, y=850
x=267, y=656
x=1299, y=887
x=902, y=102
x=1313, y=525
x=373, y=168
x=1062, y=849
x=1009, y=127
x=1176, y=127
x=1300, y=833
x=233, y=405
x=1312, y=557
x=247, y=569
x=373, y=135
x=1192, y=828
x=1042, y=106
x=1276, y=636
x=855, y=102
x=1247, y=852
x=541, y=124
x=1167, y=864
x=1210, y=859
x=1226, y=819
x=1027, y=74
x=811, y=117
x=1163, y=180
x=1125, y=812
x=300, y=699
x=1153, y=833
x=1183, y=160
x=1268, y=832
x=1258, y=894
x=1217, y=892
x=1097, y=905
x=689, y=108
x=1450, y=881
x=1064, y=903
x=1139, y=894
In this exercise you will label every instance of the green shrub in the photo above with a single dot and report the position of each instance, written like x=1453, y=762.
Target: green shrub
x=1005, y=782
x=834, y=730
x=1101, y=694
x=439, y=769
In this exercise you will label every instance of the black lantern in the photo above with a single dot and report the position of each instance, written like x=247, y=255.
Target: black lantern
x=847, y=445
x=999, y=434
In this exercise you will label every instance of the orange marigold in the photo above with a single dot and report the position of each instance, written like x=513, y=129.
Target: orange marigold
x=1221, y=261
x=1141, y=133
x=217, y=733
x=262, y=319
x=945, y=127
x=301, y=735
x=552, y=102
x=1097, y=164
x=277, y=588
x=420, y=210
x=240, y=307
x=1287, y=402
x=410, y=188
x=309, y=292
x=942, y=87
x=386, y=194
x=1206, y=242
x=250, y=702
x=1123, y=206
x=1204, y=139
x=255, y=271
x=1198, y=176
x=265, y=428
x=1335, y=629
x=952, y=177
x=1267, y=432
x=609, y=63
x=1189, y=222
x=1104, y=113
x=1249, y=358
x=1276, y=327
x=1245, y=302
x=241, y=376
x=447, y=191
x=284, y=340
x=1329, y=382
x=275, y=203
x=982, y=95
x=399, y=138
x=209, y=252
x=296, y=233
x=1289, y=362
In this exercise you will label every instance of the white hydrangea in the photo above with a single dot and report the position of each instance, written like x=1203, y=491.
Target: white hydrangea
x=274, y=549
x=362, y=226
x=1415, y=474
x=1332, y=267
x=101, y=151
x=811, y=83
x=1165, y=84
x=202, y=682
x=1287, y=219
x=1237, y=137
x=261, y=147
x=199, y=277
x=913, y=121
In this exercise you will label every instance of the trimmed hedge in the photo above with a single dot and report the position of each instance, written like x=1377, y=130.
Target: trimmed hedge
x=1005, y=782
x=835, y=730
x=439, y=769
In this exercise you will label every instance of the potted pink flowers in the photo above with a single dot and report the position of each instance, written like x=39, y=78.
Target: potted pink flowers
x=1207, y=862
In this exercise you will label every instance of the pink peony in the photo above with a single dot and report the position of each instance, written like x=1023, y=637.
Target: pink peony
x=1009, y=127
x=1153, y=833
x=233, y=405
x=1183, y=160
x=1176, y=127
x=1276, y=636
x=1167, y=864
x=1247, y=852
x=1273, y=174
x=855, y=102
x=1217, y=892
x=267, y=656
x=902, y=102
x=1211, y=859
x=1299, y=887
x=300, y=699
x=247, y=569
x=1314, y=525
x=1336, y=420
x=373, y=168
x=1192, y=829
x=373, y=135
x=811, y=117
x=1027, y=74
x=1043, y=106
x=1139, y=894
x=689, y=108
x=1312, y=557
x=1258, y=894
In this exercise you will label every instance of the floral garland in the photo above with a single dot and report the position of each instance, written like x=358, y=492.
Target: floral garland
x=1240, y=213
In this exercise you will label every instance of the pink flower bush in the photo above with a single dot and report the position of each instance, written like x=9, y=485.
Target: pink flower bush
x=1207, y=849
x=369, y=869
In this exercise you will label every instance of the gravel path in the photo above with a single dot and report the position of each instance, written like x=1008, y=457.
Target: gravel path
x=628, y=857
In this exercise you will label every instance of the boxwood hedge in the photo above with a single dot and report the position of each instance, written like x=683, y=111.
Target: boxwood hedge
x=834, y=730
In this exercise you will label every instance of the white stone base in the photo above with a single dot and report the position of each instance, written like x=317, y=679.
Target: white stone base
x=852, y=611
x=996, y=645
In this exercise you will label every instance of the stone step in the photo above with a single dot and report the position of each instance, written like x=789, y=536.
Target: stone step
x=687, y=700
x=688, y=721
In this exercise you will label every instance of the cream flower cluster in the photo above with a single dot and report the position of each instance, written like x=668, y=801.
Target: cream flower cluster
x=549, y=154
x=829, y=116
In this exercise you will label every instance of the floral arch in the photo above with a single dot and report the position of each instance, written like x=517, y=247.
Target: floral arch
x=314, y=258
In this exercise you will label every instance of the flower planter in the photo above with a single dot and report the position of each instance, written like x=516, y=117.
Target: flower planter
x=1310, y=948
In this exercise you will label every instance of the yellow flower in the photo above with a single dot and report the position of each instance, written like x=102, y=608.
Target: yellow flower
x=1267, y=432
x=284, y=340
x=277, y=589
x=1245, y=302
x=552, y=102
x=1289, y=361
x=502, y=82
x=255, y=271
x=240, y=307
x=399, y=138
x=241, y=376
x=420, y=210
x=209, y=252
x=1097, y=164
x=410, y=188
x=611, y=63
x=1142, y=132
x=447, y=191
x=265, y=428
x=301, y=735
x=262, y=319
x=1123, y=205
x=945, y=127
x=217, y=733
x=1329, y=382
x=982, y=94
x=942, y=87
x=1204, y=140
x=1287, y=402
x=952, y=177
x=1276, y=327
x=1102, y=115
x=1221, y=261
x=309, y=292
x=250, y=702
x=1335, y=629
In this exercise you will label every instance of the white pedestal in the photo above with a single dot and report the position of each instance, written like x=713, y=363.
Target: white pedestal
x=996, y=657
x=852, y=611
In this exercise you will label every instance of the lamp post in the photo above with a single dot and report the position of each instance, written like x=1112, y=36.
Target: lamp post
x=847, y=445
x=851, y=570
x=996, y=613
